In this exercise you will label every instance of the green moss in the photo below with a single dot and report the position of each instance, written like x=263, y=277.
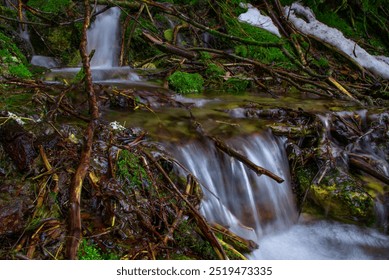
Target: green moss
x=14, y=102
x=214, y=75
x=137, y=41
x=236, y=85
x=322, y=62
x=205, y=56
x=341, y=198
x=50, y=6
x=131, y=170
x=184, y=83
x=12, y=60
x=186, y=238
x=90, y=251
x=241, y=50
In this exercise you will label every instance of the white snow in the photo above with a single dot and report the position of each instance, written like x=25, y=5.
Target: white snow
x=304, y=20
x=254, y=17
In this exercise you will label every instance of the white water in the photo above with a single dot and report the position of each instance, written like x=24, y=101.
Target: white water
x=103, y=37
x=235, y=196
x=259, y=209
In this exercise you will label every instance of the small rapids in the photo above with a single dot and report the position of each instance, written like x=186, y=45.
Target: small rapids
x=260, y=209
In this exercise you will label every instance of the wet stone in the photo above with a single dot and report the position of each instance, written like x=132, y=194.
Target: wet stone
x=18, y=144
x=12, y=216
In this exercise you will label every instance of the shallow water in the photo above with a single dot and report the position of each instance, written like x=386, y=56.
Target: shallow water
x=323, y=240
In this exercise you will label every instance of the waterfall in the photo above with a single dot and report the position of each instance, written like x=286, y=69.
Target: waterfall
x=236, y=197
x=259, y=209
x=103, y=37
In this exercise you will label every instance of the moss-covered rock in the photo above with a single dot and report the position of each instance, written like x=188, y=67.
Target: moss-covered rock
x=12, y=61
x=184, y=83
x=340, y=197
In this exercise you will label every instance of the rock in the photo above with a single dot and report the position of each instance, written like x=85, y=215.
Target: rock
x=340, y=197
x=18, y=144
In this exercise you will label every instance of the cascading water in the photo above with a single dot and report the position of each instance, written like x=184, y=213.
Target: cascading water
x=260, y=209
x=234, y=195
x=103, y=37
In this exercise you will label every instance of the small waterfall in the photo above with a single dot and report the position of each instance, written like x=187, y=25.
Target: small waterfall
x=103, y=37
x=259, y=209
x=236, y=197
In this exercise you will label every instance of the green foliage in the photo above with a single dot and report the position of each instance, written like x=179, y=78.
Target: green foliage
x=214, y=76
x=362, y=19
x=90, y=251
x=79, y=76
x=247, y=31
x=184, y=83
x=130, y=169
x=205, y=56
x=321, y=62
x=20, y=71
x=50, y=6
x=241, y=50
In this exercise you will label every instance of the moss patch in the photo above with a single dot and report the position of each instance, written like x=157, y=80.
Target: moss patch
x=13, y=62
x=185, y=83
x=341, y=198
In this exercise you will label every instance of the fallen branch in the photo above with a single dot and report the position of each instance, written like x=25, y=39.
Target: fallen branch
x=233, y=153
x=82, y=169
x=169, y=48
x=360, y=164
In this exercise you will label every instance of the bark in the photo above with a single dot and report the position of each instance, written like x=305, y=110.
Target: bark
x=75, y=233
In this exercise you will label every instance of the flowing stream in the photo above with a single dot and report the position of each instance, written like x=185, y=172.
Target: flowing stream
x=254, y=207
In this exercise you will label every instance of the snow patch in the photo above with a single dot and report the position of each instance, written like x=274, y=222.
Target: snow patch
x=304, y=20
x=254, y=17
